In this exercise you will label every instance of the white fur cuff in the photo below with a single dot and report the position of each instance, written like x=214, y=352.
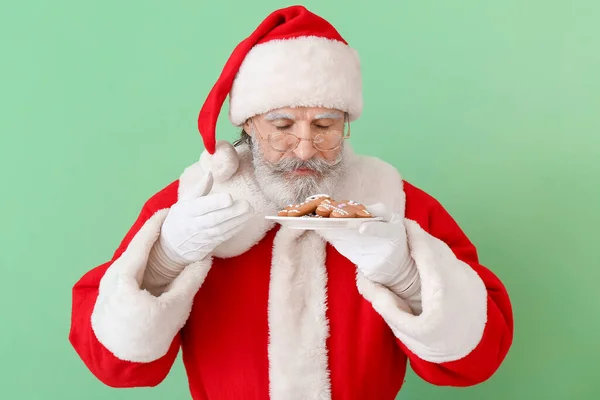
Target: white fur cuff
x=132, y=323
x=454, y=301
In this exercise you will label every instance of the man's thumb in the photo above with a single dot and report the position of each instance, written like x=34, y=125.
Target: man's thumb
x=200, y=188
x=380, y=210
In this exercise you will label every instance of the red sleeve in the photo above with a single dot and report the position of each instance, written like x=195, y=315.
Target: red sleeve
x=109, y=369
x=485, y=359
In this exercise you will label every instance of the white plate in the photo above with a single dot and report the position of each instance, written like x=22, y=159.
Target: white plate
x=313, y=223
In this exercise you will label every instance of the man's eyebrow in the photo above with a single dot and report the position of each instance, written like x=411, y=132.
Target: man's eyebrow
x=330, y=115
x=272, y=116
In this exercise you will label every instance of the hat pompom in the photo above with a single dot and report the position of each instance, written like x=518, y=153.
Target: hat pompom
x=223, y=164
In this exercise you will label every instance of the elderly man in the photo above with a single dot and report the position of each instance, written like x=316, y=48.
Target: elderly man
x=261, y=310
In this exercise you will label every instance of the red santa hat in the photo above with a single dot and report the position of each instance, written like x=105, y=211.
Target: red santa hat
x=294, y=58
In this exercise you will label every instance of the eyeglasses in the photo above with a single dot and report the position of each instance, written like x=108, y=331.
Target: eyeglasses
x=284, y=141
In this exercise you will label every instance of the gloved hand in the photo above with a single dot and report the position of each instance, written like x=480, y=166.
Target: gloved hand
x=193, y=228
x=380, y=250
x=200, y=221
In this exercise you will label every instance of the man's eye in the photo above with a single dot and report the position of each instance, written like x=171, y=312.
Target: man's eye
x=284, y=127
x=322, y=126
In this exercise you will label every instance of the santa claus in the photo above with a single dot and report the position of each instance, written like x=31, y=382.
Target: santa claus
x=263, y=311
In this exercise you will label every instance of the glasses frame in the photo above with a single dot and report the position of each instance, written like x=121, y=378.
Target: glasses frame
x=343, y=134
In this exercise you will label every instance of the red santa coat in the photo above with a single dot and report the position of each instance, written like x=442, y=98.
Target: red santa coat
x=280, y=314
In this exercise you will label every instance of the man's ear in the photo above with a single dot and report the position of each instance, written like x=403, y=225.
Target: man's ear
x=248, y=127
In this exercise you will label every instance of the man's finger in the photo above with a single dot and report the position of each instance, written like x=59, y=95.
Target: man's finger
x=210, y=203
x=199, y=189
x=377, y=229
x=380, y=210
x=218, y=217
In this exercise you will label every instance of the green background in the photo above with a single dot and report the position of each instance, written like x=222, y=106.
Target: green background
x=490, y=106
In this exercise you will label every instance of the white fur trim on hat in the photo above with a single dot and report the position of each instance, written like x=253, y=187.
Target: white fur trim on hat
x=301, y=72
x=223, y=164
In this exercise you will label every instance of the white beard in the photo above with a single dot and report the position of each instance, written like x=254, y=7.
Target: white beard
x=284, y=190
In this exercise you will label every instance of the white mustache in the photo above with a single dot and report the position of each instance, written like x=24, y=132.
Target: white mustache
x=318, y=165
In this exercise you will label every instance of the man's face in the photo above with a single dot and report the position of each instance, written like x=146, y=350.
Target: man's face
x=289, y=170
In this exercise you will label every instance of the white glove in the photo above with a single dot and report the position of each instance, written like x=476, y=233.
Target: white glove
x=380, y=250
x=199, y=222
x=193, y=228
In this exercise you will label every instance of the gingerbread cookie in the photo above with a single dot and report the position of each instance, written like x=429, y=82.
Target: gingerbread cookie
x=361, y=209
x=342, y=209
x=307, y=207
x=326, y=207
x=323, y=206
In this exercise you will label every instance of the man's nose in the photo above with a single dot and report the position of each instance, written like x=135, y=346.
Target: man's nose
x=305, y=149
